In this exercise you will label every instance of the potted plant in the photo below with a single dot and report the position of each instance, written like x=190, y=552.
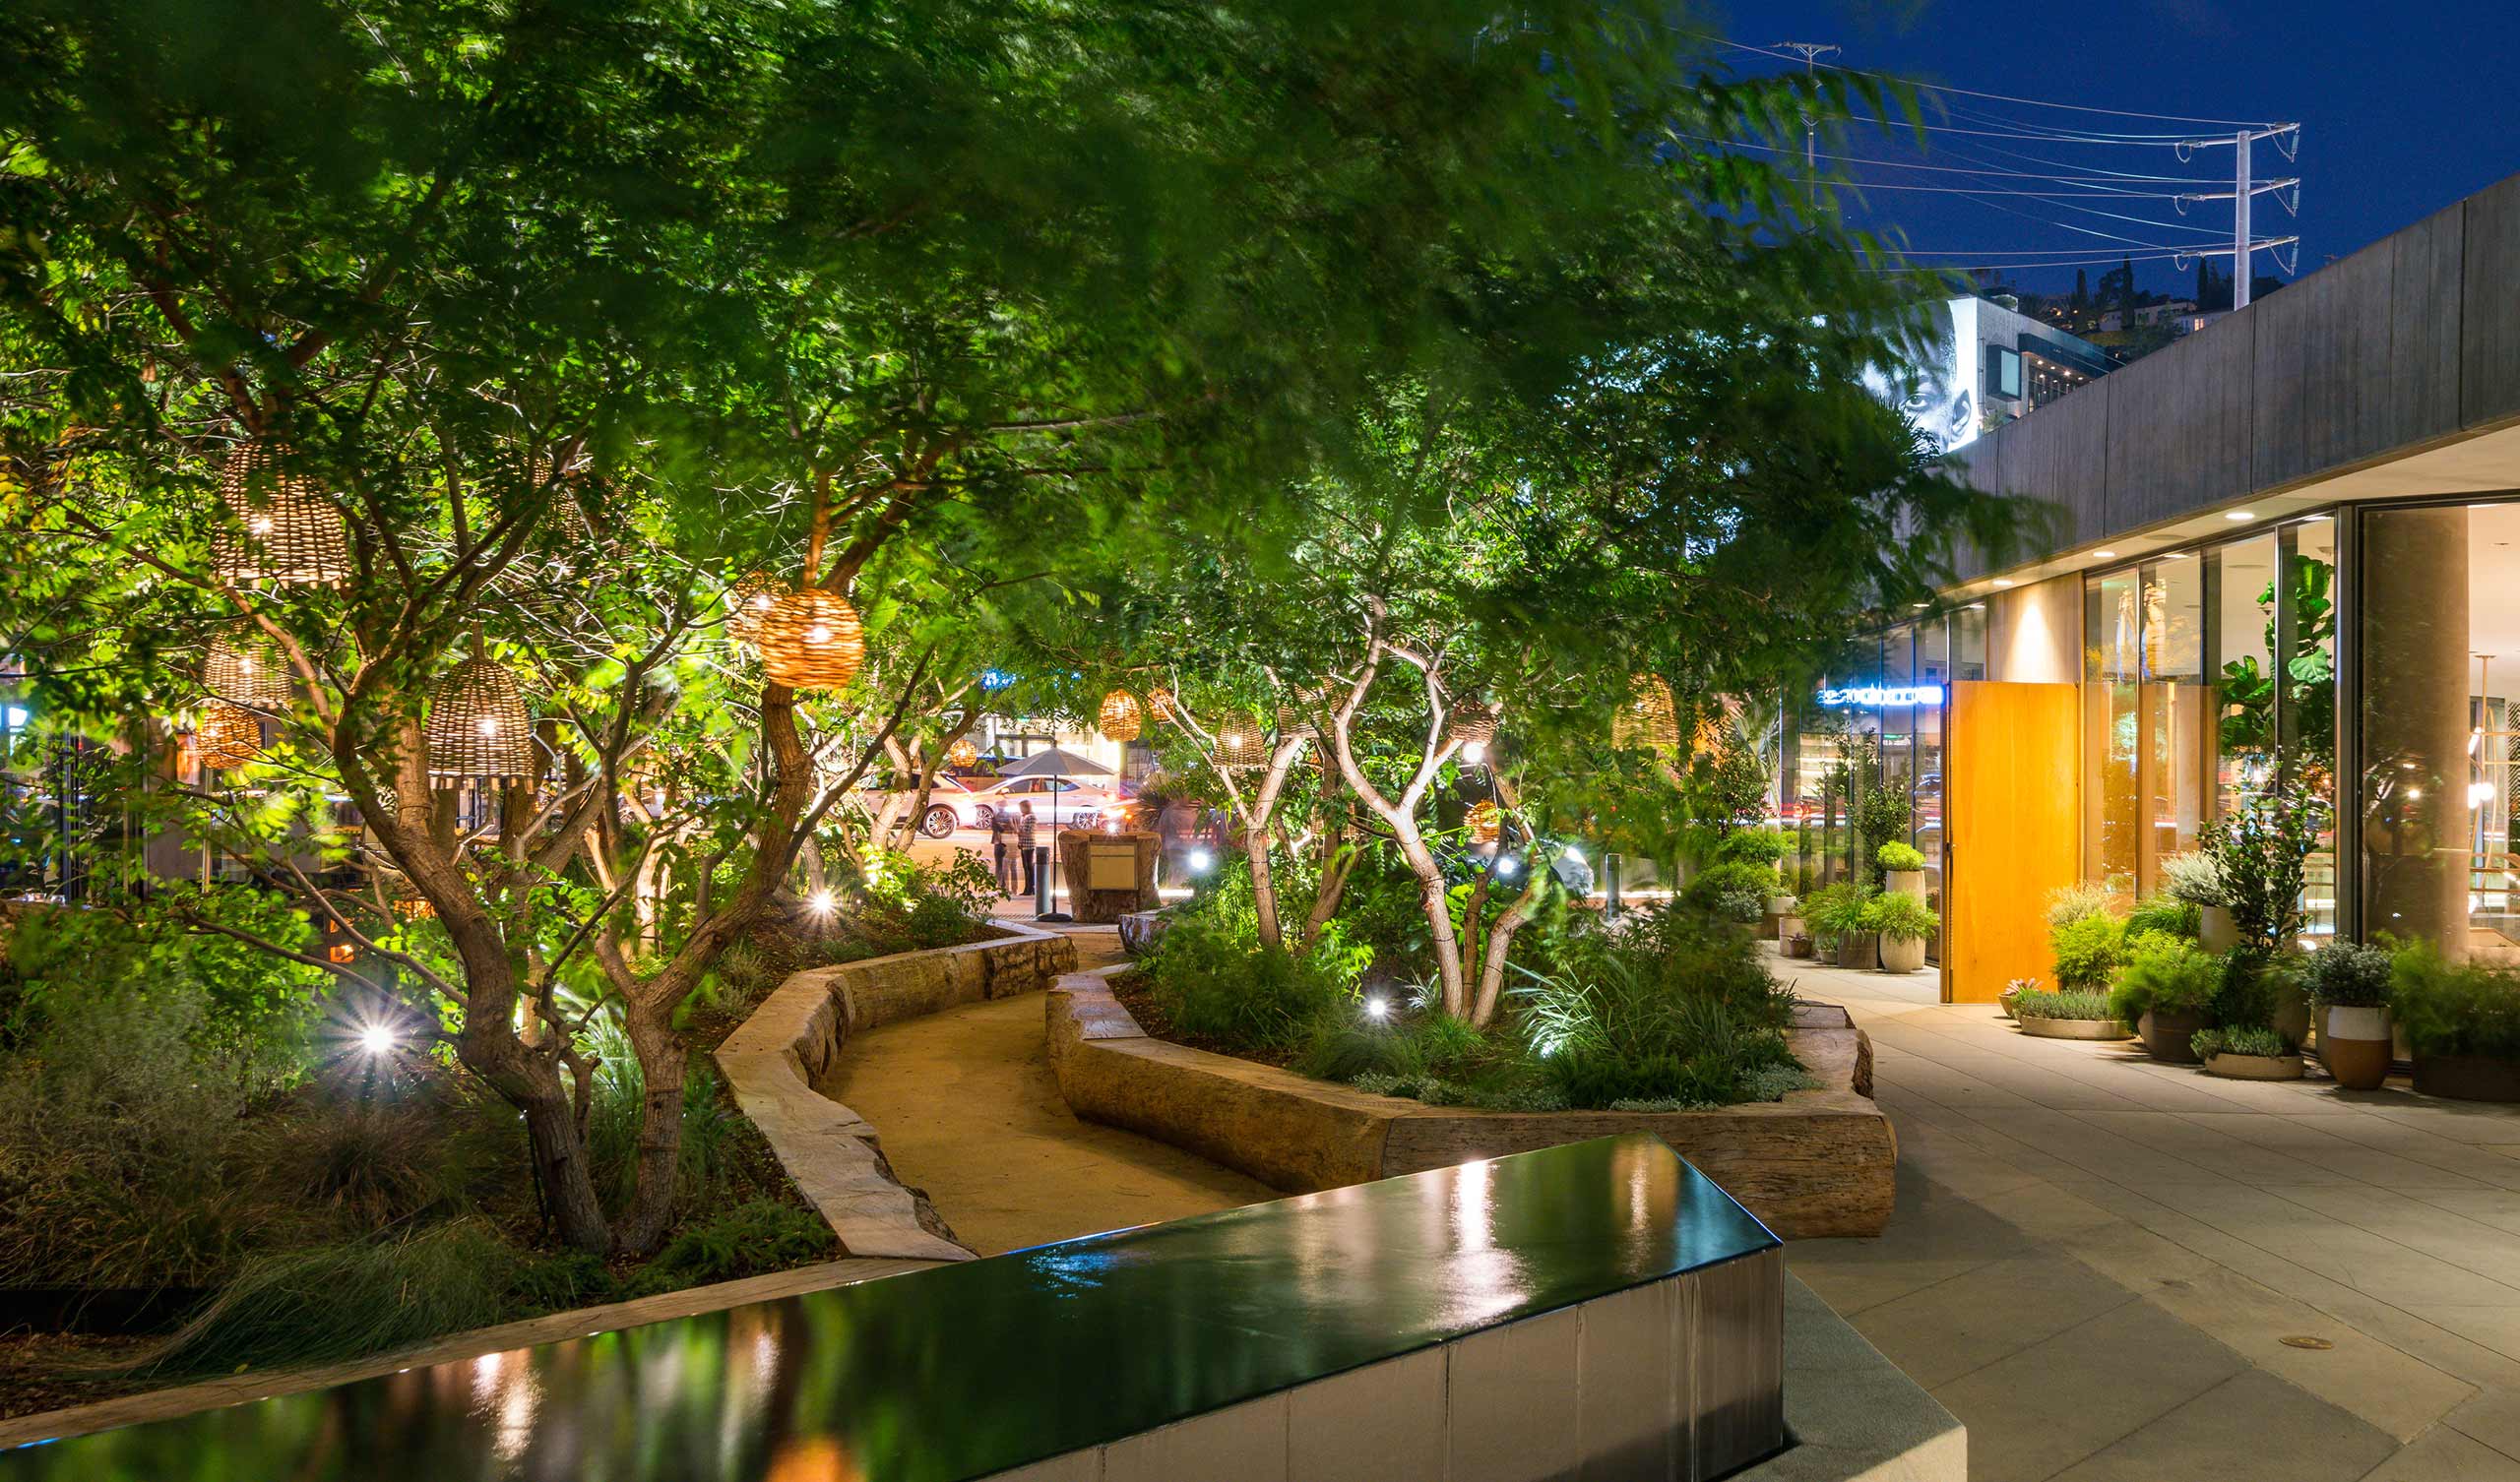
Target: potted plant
x=2347, y=983
x=2165, y=989
x=2196, y=880
x=1903, y=923
x=2462, y=1020
x=2257, y=1053
x=2014, y=988
x=1797, y=943
x=2073, y=1014
x=1836, y=915
x=1903, y=869
x=2086, y=952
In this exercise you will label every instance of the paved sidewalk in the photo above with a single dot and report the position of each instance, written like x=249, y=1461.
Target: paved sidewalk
x=2097, y=1261
x=966, y=1110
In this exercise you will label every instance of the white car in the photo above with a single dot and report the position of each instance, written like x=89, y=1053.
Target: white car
x=1070, y=800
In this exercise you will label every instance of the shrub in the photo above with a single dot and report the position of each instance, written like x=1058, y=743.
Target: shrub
x=1741, y=907
x=747, y=1240
x=1216, y=983
x=1898, y=856
x=1669, y=1006
x=1711, y=885
x=2033, y=1002
x=2194, y=879
x=2070, y=904
x=2348, y=975
x=2164, y=972
x=376, y=1165
x=2260, y=1042
x=338, y=1301
x=2166, y=915
x=2451, y=1008
x=2086, y=951
x=2246, y=997
x=1903, y=917
x=1752, y=847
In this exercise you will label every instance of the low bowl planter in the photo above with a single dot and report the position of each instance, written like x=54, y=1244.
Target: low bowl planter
x=2354, y=1044
x=2165, y=1033
x=2005, y=999
x=2468, y=1078
x=2254, y=1067
x=2074, y=1029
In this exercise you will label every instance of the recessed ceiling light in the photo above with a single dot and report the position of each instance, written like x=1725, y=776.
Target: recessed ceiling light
x=1920, y=607
x=2104, y=555
x=2002, y=582
x=2239, y=515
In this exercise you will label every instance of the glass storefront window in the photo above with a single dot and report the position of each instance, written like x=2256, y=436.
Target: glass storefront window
x=2439, y=647
x=2240, y=577
x=2176, y=710
x=2112, y=675
x=2308, y=715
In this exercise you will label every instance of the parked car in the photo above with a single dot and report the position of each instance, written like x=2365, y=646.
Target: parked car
x=1071, y=800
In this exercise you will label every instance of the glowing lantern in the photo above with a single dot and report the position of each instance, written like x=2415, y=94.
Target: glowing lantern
x=1483, y=821
x=478, y=727
x=963, y=754
x=1240, y=745
x=245, y=667
x=811, y=641
x=1121, y=718
x=291, y=532
x=229, y=736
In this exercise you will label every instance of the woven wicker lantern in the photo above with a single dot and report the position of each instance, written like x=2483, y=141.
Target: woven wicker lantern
x=1240, y=745
x=963, y=754
x=1158, y=702
x=477, y=725
x=1649, y=722
x=1483, y=821
x=228, y=735
x=291, y=532
x=415, y=908
x=1122, y=719
x=811, y=641
x=245, y=667
x=1470, y=725
x=748, y=602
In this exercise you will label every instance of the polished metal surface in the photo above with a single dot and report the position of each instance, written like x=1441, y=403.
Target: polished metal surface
x=958, y=1372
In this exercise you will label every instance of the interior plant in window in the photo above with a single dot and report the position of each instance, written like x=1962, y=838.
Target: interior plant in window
x=2347, y=983
x=2167, y=989
x=1904, y=922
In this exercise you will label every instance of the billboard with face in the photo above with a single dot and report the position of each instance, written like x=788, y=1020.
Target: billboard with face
x=1938, y=392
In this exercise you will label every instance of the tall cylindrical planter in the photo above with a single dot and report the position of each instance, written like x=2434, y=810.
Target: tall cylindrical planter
x=2355, y=1043
x=1858, y=949
x=1902, y=954
x=1904, y=882
x=2216, y=931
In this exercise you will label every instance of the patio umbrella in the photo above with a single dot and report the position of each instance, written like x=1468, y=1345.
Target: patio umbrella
x=1054, y=763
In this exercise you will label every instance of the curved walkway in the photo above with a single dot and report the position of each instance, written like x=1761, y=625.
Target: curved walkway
x=970, y=1115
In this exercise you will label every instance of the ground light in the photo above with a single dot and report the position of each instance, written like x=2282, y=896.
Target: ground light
x=377, y=1039
x=821, y=903
x=1201, y=861
x=1378, y=1008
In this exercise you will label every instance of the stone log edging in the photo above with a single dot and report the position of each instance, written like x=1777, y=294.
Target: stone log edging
x=1818, y=1163
x=773, y=1059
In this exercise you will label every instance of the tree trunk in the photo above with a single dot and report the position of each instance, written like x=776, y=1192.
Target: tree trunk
x=661, y=1065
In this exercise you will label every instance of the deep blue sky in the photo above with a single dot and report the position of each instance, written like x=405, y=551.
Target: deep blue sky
x=2405, y=107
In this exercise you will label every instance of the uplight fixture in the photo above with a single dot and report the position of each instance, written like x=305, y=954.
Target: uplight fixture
x=1201, y=861
x=1378, y=1008
x=377, y=1039
x=821, y=903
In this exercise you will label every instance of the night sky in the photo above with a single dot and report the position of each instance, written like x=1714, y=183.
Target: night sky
x=2405, y=108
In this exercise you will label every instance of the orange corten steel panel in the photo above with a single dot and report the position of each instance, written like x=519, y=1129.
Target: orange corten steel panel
x=2011, y=794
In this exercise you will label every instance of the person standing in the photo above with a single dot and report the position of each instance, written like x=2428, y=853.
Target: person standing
x=1001, y=843
x=1025, y=831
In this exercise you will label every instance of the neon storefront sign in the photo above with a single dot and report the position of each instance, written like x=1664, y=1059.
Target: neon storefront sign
x=1883, y=697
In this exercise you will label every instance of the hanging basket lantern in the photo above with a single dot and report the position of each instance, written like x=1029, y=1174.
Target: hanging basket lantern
x=1240, y=745
x=245, y=667
x=228, y=735
x=963, y=754
x=1649, y=722
x=415, y=908
x=1296, y=720
x=1121, y=720
x=478, y=727
x=1483, y=821
x=286, y=530
x=748, y=602
x=1470, y=725
x=811, y=641
x=1160, y=702
x=564, y=521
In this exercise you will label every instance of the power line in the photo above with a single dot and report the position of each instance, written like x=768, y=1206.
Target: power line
x=2035, y=102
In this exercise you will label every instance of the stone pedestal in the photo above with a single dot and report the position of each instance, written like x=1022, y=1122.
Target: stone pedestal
x=1093, y=866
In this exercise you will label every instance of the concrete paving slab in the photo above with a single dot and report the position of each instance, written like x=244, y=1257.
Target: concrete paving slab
x=2252, y=1424
x=2125, y=1368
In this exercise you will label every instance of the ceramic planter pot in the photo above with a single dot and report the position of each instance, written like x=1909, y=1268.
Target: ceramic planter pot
x=2468, y=1078
x=1797, y=944
x=2216, y=931
x=1782, y=905
x=2255, y=1067
x=1903, y=954
x=1904, y=882
x=2165, y=1033
x=2073, y=1028
x=1858, y=949
x=2354, y=1044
